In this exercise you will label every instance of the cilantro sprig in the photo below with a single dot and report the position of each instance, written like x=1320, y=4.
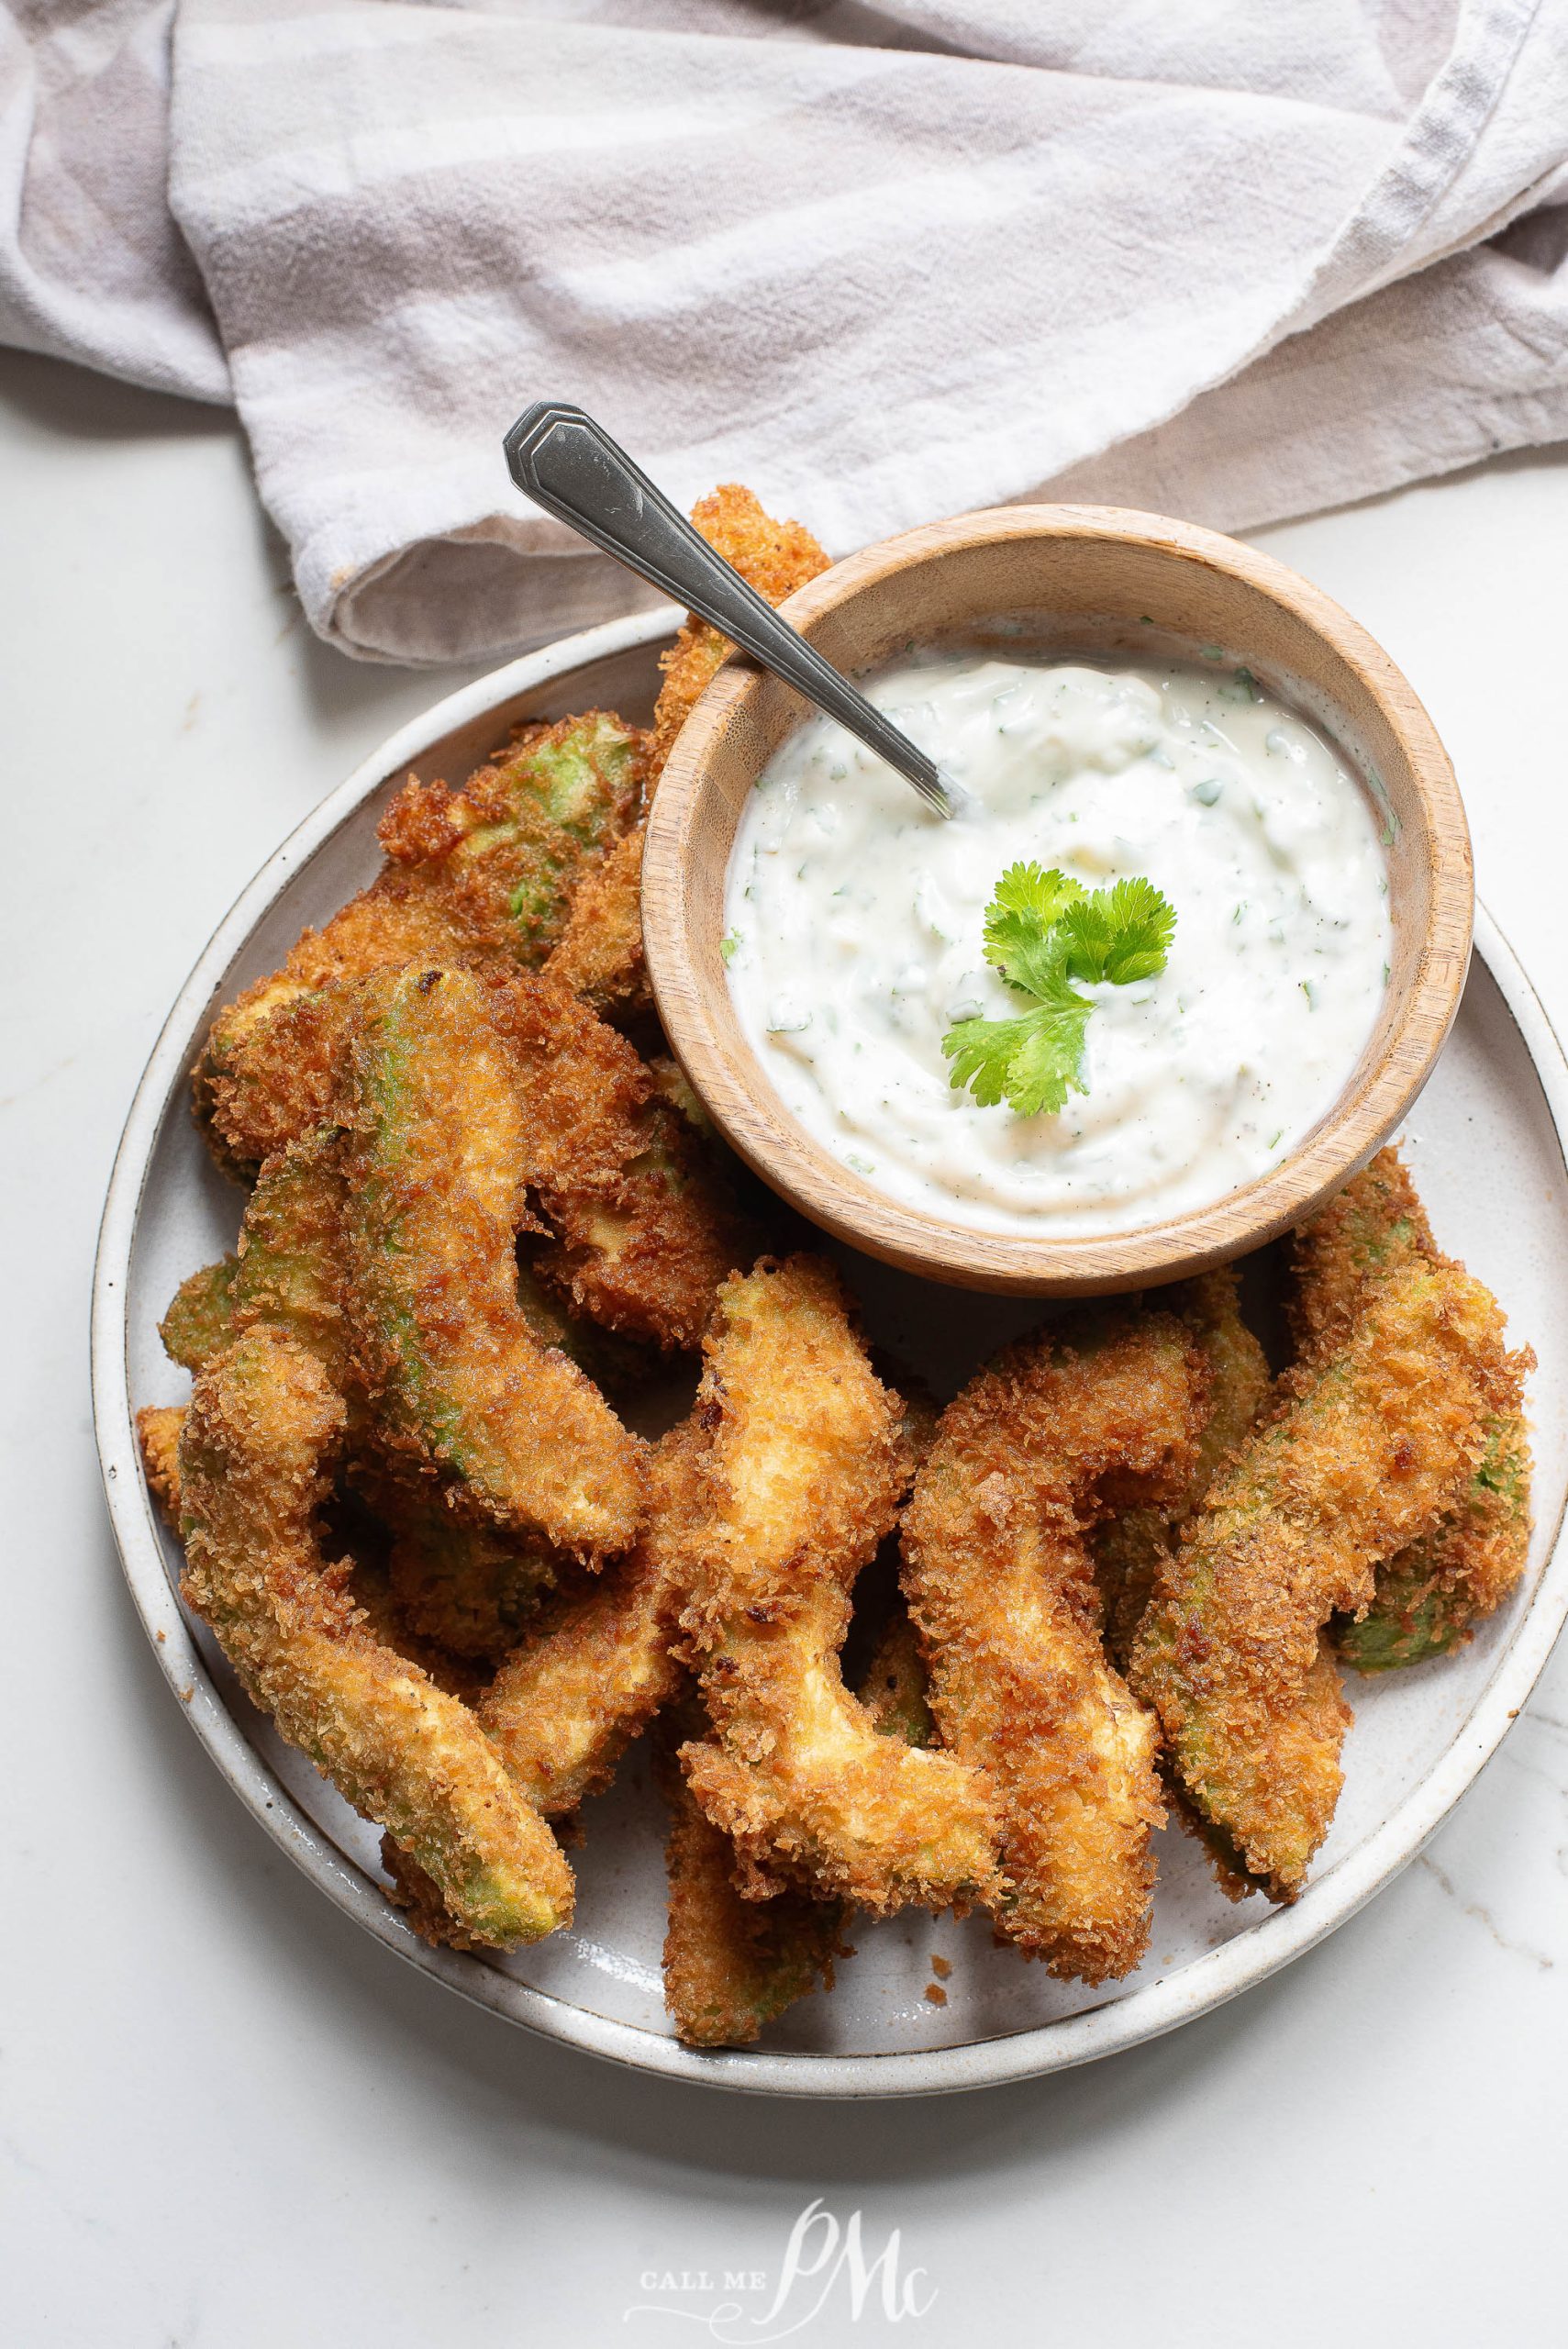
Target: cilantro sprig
x=1043, y=931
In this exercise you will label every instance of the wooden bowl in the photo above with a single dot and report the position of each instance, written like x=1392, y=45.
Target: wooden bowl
x=1067, y=579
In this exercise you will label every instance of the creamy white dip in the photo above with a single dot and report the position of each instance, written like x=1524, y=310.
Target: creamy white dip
x=854, y=925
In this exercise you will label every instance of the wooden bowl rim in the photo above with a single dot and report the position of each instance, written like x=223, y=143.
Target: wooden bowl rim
x=734, y=1088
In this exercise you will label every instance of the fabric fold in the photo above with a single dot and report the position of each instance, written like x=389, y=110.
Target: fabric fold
x=880, y=263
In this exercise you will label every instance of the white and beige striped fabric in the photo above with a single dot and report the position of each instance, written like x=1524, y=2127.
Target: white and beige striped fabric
x=882, y=261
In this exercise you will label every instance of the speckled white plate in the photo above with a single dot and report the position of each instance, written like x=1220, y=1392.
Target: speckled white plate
x=1485, y=1142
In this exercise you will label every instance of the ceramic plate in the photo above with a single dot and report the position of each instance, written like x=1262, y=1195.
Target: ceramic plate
x=1486, y=1145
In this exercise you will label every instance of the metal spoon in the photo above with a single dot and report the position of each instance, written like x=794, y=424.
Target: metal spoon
x=569, y=465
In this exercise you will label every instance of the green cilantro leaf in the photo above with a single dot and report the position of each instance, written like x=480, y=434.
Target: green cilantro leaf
x=1122, y=934
x=1043, y=929
x=1021, y=921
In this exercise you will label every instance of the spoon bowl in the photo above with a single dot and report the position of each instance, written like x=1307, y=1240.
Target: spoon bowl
x=1066, y=580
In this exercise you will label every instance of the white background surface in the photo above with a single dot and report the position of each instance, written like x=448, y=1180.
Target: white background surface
x=227, y=2117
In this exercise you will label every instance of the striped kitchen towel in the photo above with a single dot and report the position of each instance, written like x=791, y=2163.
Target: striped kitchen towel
x=880, y=262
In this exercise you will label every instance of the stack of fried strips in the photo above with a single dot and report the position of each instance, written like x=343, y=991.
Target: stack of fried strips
x=484, y=1207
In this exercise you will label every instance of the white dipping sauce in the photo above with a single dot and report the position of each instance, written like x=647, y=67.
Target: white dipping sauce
x=855, y=918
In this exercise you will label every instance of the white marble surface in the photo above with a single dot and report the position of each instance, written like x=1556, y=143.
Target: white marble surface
x=226, y=2116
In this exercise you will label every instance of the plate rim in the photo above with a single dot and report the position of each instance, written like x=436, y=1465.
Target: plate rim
x=1155, y=2007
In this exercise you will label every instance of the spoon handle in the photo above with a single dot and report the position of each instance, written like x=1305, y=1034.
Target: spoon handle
x=569, y=465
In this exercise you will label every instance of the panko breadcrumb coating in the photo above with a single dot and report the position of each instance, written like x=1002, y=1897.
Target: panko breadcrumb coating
x=1464, y=1566
x=731, y=1966
x=158, y=1427
x=893, y=1689
x=1375, y=1223
x=269, y=1069
x=600, y=954
x=600, y=1662
x=507, y=853
x=644, y=1224
x=1372, y=1442
x=473, y=1590
x=1001, y=1586
x=285, y=1268
x=775, y=558
x=588, y=1677
x=801, y=1481
x=1131, y=1547
x=477, y=877
x=436, y=1149
x=255, y=1455
x=462, y=1587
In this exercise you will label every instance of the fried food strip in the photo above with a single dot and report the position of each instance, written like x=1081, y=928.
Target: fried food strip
x=468, y=1589
x=200, y=1321
x=507, y=853
x=1001, y=1586
x=437, y=1144
x=484, y=875
x=1130, y=1548
x=895, y=1690
x=1429, y=1596
x=1366, y=1450
x=600, y=954
x=568, y=1702
x=284, y=1270
x=645, y=1225
x=473, y=1590
x=158, y=1427
x=801, y=1480
x=255, y=1461
x=1375, y=1223
x=269, y=1068
x=288, y=1270
x=585, y=1682
x=367, y=1586
x=1463, y=1567
x=775, y=558
x=731, y=1964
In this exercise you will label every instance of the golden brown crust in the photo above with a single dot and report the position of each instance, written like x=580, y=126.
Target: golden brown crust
x=1367, y=1448
x=732, y=1965
x=269, y=1069
x=1131, y=1547
x=600, y=956
x=473, y=1590
x=1462, y=1566
x=436, y=1148
x=590, y=1676
x=775, y=558
x=1001, y=1586
x=1375, y=1223
x=894, y=1687
x=255, y=1456
x=585, y=1681
x=158, y=1427
x=801, y=1481
x=484, y=875
x=504, y=861
x=645, y=1224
